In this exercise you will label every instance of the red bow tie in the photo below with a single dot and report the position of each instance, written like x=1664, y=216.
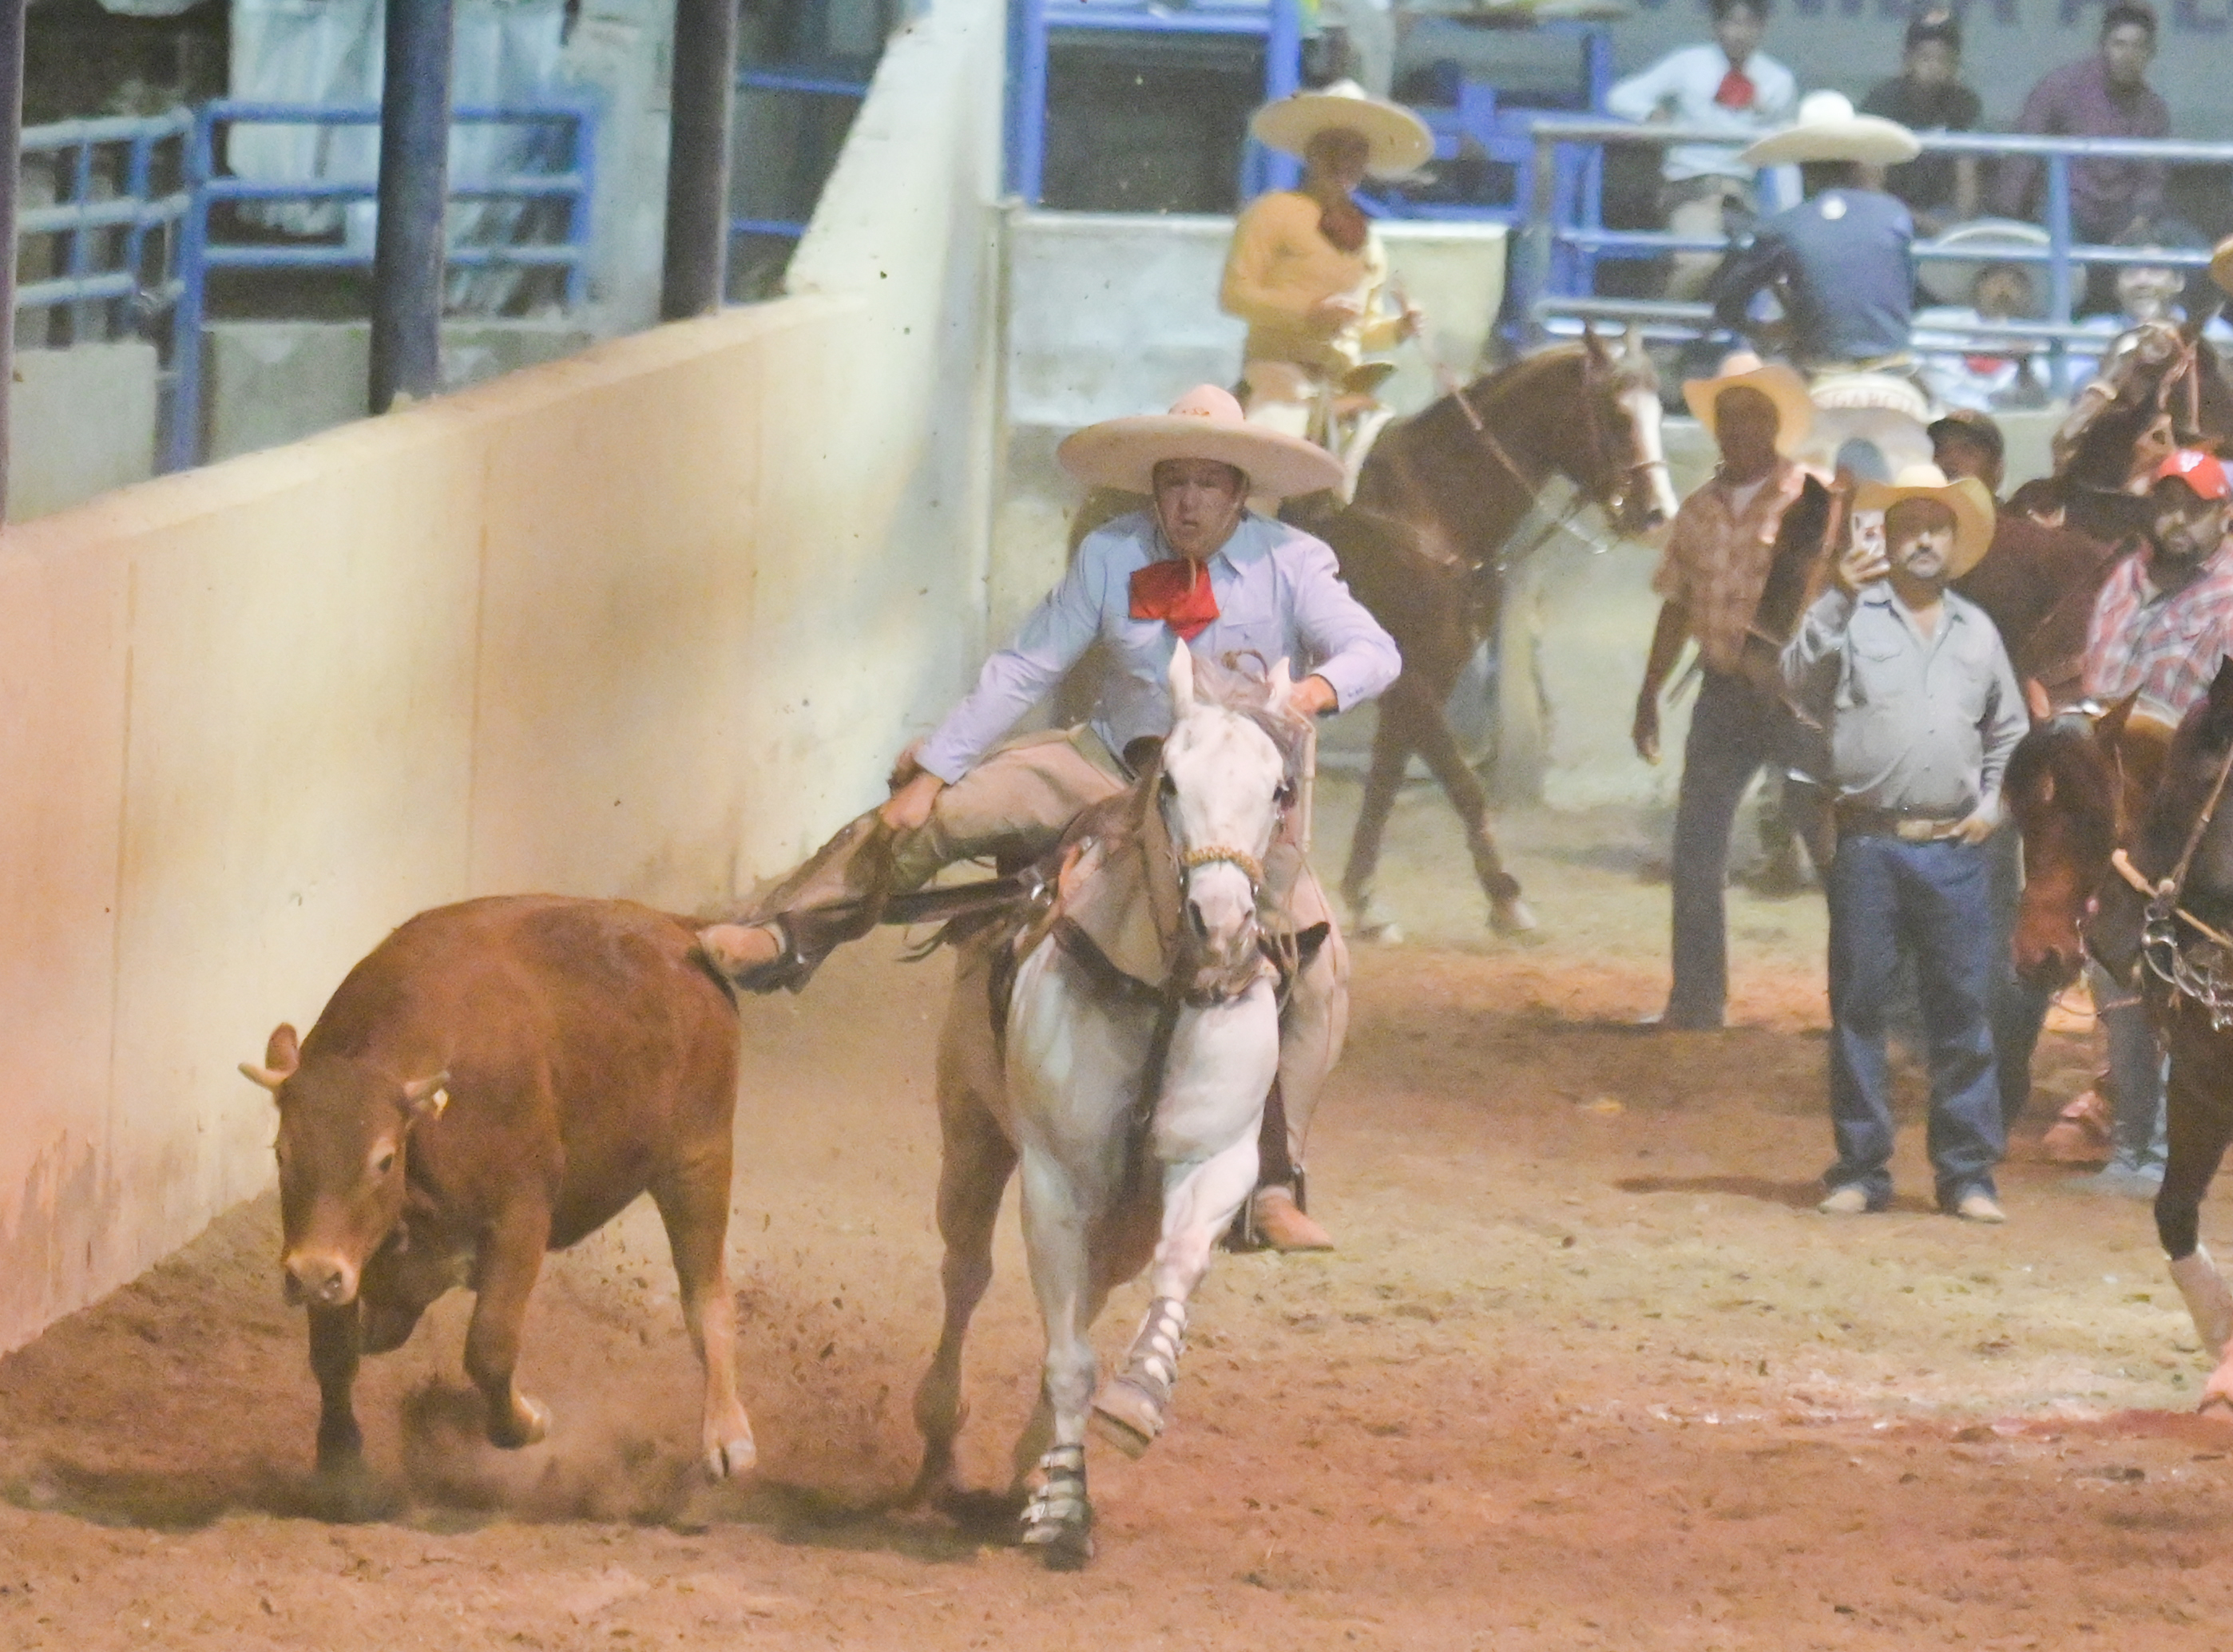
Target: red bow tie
x=1736, y=90
x=1176, y=592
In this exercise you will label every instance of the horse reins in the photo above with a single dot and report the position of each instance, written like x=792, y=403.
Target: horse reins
x=2159, y=948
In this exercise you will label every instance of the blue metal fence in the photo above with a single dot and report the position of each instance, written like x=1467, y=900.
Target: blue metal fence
x=569, y=181
x=111, y=264
x=1277, y=23
x=1554, y=268
x=794, y=84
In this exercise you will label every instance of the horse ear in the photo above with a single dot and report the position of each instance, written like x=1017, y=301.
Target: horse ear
x=1282, y=683
x=1596, y=344
x=2035, y=700
x=1180, y=678
x=1632, y=343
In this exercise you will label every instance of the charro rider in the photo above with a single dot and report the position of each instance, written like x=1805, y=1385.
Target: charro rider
x=1308, y=275
x=1195, y=567
x=1840, y=262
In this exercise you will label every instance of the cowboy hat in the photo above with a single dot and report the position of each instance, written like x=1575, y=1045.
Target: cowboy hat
x=1969, y=499
x=1794, y=411
x=1205, y=423
x=2221, y=265
x=1951, y=281
x=1399, y=141
x=1827, y=129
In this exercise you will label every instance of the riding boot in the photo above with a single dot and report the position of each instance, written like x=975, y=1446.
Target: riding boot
x=836, y=896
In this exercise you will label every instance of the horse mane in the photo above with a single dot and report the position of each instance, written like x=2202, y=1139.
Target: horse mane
x=2065, y=752
x=1234, y=688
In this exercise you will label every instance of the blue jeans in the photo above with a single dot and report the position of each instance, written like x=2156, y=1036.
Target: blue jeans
x=1932, y=903
x=2136, y=1134
x=1735, y=728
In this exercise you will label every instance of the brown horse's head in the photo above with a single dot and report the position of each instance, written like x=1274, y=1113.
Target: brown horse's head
x=1615, y=456
x=2076, y=785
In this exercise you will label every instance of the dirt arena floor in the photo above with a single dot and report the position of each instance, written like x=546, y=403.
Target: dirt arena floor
x=1586, y=1371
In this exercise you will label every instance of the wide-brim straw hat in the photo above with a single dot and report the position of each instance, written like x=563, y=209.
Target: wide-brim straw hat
x=1399, y=140
x=1794, y=409
x=1950, y=281
x=1205, y=423
x=2221, y=265
x=1827, y=129
x=1969, y=500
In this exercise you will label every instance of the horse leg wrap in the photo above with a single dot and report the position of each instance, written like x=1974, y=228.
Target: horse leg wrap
x=1059, y=1519
x=1131, y=1408
x=2207, y=1299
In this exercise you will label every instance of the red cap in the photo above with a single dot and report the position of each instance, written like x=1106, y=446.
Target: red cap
x=2203, y=472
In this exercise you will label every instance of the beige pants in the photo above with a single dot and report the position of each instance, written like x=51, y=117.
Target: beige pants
x=1699, y=207
x=1014, y=807
x=1295, y=400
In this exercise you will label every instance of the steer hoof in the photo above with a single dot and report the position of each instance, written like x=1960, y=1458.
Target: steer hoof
x=731, y=1460
x=1513, y=918
x=527, y=1426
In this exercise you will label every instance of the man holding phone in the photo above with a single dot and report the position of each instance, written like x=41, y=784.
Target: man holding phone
x=1914, y=690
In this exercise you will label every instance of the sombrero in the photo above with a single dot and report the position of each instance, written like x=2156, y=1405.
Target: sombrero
x=1794, y=411
x=1968, y=499
x=2221, y=265
x=1205, y=423
x=1950, y=281
x=1827, y=129
x=1399, y=141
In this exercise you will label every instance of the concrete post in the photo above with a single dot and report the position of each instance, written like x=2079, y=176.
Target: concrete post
x=414, y=188
x=704, y=95
x=11, y=167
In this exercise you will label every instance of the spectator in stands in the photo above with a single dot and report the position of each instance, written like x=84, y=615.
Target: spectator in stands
x=2106, y=95
x=1984, y=372
x=1730, y=86
x=1928, y=95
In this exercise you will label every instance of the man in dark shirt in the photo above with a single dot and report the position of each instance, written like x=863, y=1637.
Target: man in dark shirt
x=1928, y=95
x=1840, y=262
x=2106, y=95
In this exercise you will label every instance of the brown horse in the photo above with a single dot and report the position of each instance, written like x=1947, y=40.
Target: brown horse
x=2161, y=922
x=1425, y=547
x=2163, y=387
x=1428, y=540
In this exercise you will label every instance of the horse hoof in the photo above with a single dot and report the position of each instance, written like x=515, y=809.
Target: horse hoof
x=1059, y=1521
x=1062, y=1548
x=1126, y=1418
x=1512, y=918
x=731, y=1460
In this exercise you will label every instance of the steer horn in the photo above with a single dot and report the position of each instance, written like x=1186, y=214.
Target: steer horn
x=282, y=1055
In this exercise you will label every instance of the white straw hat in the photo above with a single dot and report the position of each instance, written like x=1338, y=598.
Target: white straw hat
x=1827, y=129
x=1950, y=283
x=1205, y=423
x=1794, y=409
x=1969, y=500
x=1399, y=140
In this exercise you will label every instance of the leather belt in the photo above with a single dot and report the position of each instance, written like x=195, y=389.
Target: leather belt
x=1863, y=820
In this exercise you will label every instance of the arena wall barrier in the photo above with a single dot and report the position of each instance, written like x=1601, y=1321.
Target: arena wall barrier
x=644, y=622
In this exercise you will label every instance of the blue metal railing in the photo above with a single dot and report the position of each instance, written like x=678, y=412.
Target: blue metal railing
x=796, y=83
x=101, y=243
x=200, y=252
x=1553, y=271
x=1277, y=23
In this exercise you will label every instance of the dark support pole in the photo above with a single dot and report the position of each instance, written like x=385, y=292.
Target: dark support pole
x=11, y=167
x=697, y=157
x=414, y=186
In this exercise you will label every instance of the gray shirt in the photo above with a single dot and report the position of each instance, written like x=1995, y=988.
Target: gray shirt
x=1919, y=724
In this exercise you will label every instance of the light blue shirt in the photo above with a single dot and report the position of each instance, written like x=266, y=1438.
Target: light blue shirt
x=1279, y=595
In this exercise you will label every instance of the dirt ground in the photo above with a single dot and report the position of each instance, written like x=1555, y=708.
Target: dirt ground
x=1587, y=1370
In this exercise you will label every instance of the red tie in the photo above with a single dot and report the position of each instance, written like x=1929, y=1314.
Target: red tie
x=1735, y=91
x=1176, y=592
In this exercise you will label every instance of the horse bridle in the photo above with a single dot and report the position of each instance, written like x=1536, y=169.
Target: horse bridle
x=2160, y=951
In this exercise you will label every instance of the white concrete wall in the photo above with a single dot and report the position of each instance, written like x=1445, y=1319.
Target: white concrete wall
x=81, y=421
x=647, y=621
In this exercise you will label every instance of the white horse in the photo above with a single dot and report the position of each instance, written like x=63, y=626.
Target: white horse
x=1120, y=1098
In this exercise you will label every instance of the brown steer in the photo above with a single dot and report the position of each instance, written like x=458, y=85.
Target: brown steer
x=496, y=1079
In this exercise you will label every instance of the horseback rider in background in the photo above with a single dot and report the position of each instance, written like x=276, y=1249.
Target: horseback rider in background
x=1310, y=276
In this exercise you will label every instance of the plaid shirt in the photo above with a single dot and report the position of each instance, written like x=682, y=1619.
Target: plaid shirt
x=1717, y=560
x=2165, y=648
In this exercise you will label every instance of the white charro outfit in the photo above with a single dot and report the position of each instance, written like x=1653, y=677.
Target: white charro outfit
x=1278, y=594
